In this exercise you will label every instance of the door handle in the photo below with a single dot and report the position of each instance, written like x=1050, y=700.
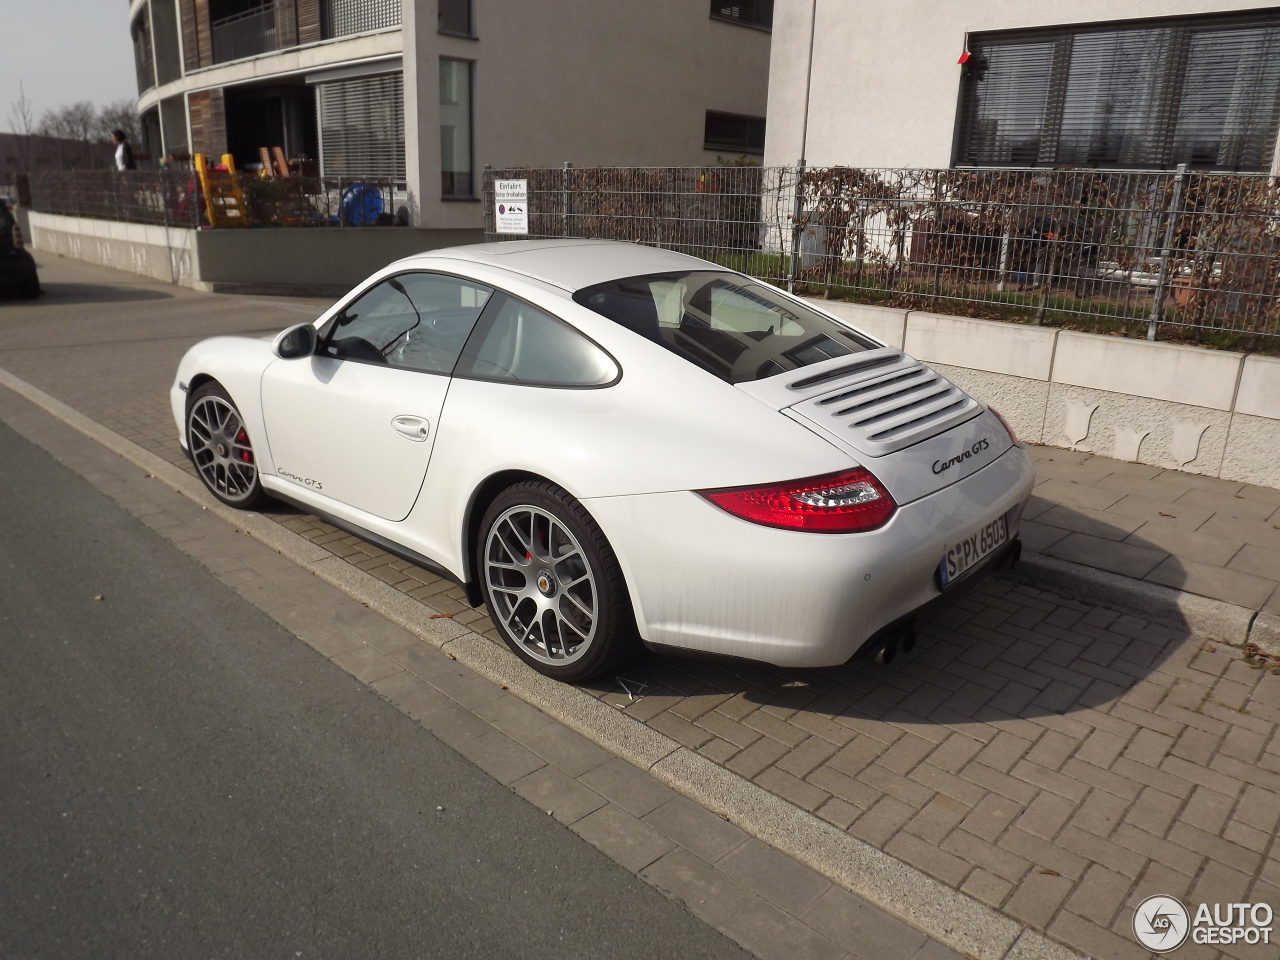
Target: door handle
x=411, y=428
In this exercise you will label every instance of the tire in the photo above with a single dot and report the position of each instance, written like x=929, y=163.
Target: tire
x=568, y=617
x=30, y=289
x=220, y=448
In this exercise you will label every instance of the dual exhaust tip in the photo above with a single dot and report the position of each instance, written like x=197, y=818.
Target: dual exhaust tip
x=904, y=641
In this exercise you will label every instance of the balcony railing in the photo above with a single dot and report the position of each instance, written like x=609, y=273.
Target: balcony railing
x=245, y=34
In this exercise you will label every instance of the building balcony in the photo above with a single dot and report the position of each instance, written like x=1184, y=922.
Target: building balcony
x=245, y=34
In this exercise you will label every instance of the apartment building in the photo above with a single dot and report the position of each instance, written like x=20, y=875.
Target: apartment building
x=427, y=92
x=1139, y=84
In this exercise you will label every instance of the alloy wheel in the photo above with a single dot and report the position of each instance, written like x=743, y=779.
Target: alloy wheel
x=221, y=449
x=541, y=585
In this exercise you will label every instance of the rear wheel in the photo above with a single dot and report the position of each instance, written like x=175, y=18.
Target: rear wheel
x=553, y=585
x=30, y=288
x=220, y=448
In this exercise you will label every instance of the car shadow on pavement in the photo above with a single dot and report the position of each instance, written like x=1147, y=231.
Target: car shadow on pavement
x=75, y=293
x=1006, y=651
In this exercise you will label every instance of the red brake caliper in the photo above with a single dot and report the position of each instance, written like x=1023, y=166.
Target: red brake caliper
x=246, y=456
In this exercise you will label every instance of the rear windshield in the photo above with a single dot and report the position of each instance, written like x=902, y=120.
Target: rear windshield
x=733, y=327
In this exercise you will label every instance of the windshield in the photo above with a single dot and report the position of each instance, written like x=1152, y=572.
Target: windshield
x=733, y=327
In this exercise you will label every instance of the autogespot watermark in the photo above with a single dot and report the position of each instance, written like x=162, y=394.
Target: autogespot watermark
x=1162, y=924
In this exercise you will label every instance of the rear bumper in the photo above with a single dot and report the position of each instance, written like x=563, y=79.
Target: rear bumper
x=702, y=580
x=901, y=632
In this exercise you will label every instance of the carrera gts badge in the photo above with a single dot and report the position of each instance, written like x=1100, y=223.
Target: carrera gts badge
x=978, y=446
x=305, y=481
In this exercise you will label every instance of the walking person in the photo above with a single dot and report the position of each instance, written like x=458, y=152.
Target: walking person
x=124, y=152
x=123, y=185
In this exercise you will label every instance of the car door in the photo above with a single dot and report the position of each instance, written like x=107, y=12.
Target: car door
x=356, y=422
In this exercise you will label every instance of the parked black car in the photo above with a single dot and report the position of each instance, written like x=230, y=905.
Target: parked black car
x=17, y=266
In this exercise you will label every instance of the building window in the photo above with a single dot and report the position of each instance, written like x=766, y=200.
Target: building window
x=733, y=132
x=755, y=13
x=1201, y=91
x=455, y=128
x=362, y=127
x=455, y=17
x=143, y=56
x=342, y=18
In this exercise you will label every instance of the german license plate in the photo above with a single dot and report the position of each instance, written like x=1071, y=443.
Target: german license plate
x=969, y=551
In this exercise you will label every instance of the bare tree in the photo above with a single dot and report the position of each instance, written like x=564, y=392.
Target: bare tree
x=22, y=122
x=118, y=115
x=75, y=122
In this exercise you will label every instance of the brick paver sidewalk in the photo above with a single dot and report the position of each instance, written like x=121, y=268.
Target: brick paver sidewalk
x=1215, y=538
x=1055, y=760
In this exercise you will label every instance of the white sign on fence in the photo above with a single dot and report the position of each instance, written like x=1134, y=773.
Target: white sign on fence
x=511, y=206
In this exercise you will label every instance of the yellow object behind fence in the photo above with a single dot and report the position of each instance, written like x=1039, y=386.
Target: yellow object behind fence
x=223, y=199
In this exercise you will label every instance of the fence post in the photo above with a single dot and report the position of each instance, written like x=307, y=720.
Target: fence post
x=1157, y=299
x=567, y=195
x=486, y=194
x=796, y=209
x=1004, y=251
x=1050, y=267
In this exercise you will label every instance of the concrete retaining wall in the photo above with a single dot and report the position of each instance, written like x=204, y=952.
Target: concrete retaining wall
x=162, y=253
x=1189, y=408
x=321, y=260
x=314, y=257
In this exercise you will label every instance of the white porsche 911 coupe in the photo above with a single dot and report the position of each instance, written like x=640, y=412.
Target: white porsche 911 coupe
x=612, y=444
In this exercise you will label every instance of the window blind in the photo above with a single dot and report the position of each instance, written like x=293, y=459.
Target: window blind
x=733, y=132
x=362, y=127
x=1201, y=91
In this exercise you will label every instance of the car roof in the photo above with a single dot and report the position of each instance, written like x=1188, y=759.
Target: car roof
x=574, y=264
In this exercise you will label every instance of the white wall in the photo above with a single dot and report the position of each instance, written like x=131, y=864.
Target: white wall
x=885, y=81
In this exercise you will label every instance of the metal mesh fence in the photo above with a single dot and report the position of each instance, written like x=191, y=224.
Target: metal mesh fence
x=1128, y=252
x=137, y=196
x=172, y=198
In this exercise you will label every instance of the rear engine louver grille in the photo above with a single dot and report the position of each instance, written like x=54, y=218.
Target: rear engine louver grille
x=886, y=405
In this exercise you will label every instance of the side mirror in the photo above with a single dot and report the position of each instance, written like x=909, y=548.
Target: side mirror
x=297, y=341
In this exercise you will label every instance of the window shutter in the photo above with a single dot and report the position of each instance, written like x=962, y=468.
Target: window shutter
x=1201, y=91
x=286, y=25
x=204, y=38
x=208, y=124
x=309, y=21
x=190, y=45
x=1004, y=111
x=362, y=127
x=1226, y=118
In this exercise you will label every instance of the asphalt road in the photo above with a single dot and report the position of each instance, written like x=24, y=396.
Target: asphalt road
x=179, y=777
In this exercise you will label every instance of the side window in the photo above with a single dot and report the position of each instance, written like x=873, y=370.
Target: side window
x=418, y=321
x=522, y=344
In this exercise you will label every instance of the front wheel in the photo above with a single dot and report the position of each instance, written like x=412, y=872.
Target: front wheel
x=220, y=448
x=553, y=585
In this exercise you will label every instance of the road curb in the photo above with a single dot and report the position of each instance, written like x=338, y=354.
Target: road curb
x=941, y=912
x=1203, y=616
x=950, y=916
x=1265, y=632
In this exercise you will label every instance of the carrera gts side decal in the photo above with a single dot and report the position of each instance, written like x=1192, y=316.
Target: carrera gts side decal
x=305, y=481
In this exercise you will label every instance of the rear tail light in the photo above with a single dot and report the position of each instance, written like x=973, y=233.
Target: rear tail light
x=847, y=502
x=17, y=237
x=1007, y=429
